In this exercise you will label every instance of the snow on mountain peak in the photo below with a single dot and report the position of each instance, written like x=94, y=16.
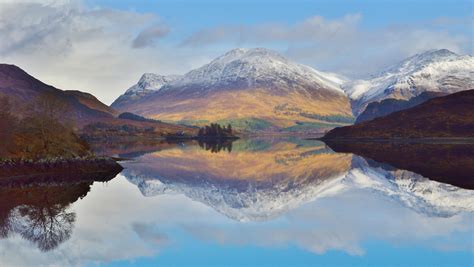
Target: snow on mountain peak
x=151, y=82
x=433, y=70
x=255, y=67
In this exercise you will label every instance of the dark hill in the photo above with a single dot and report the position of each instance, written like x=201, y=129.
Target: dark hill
x=388, y=106
x=449, y=116
x=22, y=89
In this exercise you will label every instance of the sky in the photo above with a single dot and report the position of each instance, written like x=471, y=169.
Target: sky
x=104, y=46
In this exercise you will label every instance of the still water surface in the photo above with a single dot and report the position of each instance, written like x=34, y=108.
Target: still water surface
x=257, y=202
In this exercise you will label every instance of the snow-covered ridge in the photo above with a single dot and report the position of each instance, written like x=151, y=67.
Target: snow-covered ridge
x=151, y=82
x=434, y=70
x=255, y=67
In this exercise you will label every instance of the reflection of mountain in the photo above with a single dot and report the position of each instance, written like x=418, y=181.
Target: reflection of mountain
x=260, y=185
x=243, y=185
x=37, y=209
x=410, y=189
x=445, y=163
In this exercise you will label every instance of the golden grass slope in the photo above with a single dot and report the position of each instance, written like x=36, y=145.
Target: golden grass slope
x=282, y=110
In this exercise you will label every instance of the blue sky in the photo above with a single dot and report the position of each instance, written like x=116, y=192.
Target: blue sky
x=104, y=46
x=377, y=13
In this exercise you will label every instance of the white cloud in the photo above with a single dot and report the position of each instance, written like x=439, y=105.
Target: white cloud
x=312, y=29
x=148, y=36
x=75, y=47
x=341, y=45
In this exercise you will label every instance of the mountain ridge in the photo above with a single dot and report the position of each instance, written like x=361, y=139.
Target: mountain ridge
x=434, y=70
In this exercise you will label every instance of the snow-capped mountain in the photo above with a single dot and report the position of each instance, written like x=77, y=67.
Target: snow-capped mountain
x=434, y=70
x=249, y=85
x=255, y=68
x=148, y=83
x=253, y=200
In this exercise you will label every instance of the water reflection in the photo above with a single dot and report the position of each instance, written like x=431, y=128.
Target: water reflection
x=262, y=180
x=36, y=207
x=216, y=146
x=263, y=202
x=445, y=163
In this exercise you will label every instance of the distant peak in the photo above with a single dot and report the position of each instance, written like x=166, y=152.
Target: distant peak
x=434, y=53
x=242, y=53
x=441, y=52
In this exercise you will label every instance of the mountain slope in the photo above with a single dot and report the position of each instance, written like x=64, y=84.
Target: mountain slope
x=435, y=70
x=22, y=90
x=248, y=85
x=447, y=116
x=390, y=105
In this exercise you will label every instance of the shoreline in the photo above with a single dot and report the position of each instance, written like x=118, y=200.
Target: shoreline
x=24, y=169
x=421, y=140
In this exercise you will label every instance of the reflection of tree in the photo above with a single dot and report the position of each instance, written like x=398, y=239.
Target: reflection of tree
x=40, y=214
x=45, y=225
x=4, y=226
x=216, y=146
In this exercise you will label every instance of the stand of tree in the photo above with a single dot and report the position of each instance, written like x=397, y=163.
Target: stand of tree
x=43, y=133
x=216, y=131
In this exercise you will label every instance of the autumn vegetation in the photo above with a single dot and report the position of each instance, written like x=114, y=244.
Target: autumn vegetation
x=43, y=132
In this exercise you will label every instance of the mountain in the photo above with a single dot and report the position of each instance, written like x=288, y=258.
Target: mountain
x=441, y=117
x=254, y=89
x=22, y=90
x=261, y=185
x=434, y=70
x=390, y=105
x=147, y=84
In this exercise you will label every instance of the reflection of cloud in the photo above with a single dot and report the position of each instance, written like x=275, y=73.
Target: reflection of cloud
x=149, y=233
x=344, y=223
x=114, y=222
